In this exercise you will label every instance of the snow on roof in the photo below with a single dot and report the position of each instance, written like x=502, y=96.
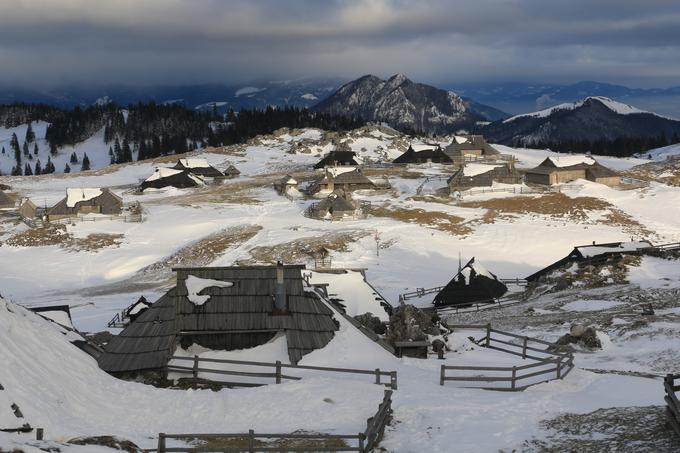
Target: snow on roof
x=335, y=171
x=617, y=107
x=472, y=169
x=163, y=172
x=589, y=251
x=59, y=316
x=568, y=161
x=74, y=196
x=418, y=147
x=195, y=285
x=479, y=270
x=460, y=139
x=194, y=162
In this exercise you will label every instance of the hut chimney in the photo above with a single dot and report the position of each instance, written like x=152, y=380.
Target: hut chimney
x=280, y=300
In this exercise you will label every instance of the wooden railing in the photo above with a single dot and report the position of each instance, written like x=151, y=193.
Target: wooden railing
x=555, y=365
x=362, y=442
x=130, y=218
x=477, y=306
x=277, y=374
x=672, y=402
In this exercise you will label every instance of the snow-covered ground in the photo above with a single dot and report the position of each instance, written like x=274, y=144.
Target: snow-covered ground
x=418, y=246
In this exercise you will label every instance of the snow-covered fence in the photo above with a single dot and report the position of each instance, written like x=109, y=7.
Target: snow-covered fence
x=548, y=364
x=518, y=190
x=672, y=403
x=477, y=306
x=277, y=375
x=252, y=442
x=130, y=218
x=633, y=183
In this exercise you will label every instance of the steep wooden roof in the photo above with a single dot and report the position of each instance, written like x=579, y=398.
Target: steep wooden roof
x=334, y=157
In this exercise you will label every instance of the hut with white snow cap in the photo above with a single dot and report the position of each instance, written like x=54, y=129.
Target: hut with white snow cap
x=84, y=201
x=198, y=166
x=471, y=285
x=170, y=177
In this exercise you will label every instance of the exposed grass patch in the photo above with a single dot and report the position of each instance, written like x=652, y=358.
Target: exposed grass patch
x=52, y=234
x=439, y=220
x=94, y=242
x=302, y=250
x=242, y=443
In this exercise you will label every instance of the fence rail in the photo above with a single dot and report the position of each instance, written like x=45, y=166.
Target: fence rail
x=671, y=385
x=131, y=218
x=277, y=373
x=363, y=442
x=550, y=362
x=477, y=306
x=521, y=190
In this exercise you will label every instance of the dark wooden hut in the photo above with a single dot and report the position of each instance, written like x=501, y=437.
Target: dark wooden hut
x=470, y=147
x=483, y=175
x=423, y=153
x=6, y=201
x=86, y=201
x=342, y=178
x=231, y=172
x=337, y=159
x=198, y=166
x=472, y=284
x=593, y=253
x=335, y=206
x=170, y=177
x=224, y=308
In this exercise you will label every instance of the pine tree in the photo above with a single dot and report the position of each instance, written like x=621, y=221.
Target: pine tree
x=86, y=163
x=126, y=151
x=53, y=149
x=74, y=158
x=25, y=148
x=35, y=149
x=3, y=150
x=67, y=169
x=27, y=170
x=117, y=151
x=38, y=168
x=49, y=167
x=16, y=170
x=30, y=135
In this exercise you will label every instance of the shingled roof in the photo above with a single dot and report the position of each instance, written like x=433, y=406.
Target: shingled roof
x=6, y=201
x=233, y=313
x=335, y=158
x=458, y=147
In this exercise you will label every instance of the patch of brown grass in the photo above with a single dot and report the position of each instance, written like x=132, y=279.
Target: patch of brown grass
x=94, y=242
x=242, y=443
x=629, y=225
x=439, y=220
x=51, y=234
x=301, y=250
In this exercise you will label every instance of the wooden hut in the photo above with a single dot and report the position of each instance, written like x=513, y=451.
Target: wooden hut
x=7, y=201
x=285, y=184
x=198, y=166
x=223, y=308
x=170, y=177
x=472, y=284
x=86, y=201
x=231, y=172
x=337, y=159
x=423, y=153
x=483, y=175
x=556, y=170
x=593, y=253
x=346, y=178
x=28, y=209
x=336, y=206
x=470, y=147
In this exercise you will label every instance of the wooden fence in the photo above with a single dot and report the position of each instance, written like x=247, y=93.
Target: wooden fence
x=130, y=218
x=520, y=190
x=362, y=442
x=478, y=306
x=548, y=365
x=276, y=375
x=672, y=402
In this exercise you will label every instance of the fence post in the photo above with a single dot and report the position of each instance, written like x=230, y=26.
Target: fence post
x=514, y=377
x=488, y=335
x=377, y=375
x=251, y=441
x=278, y=371
x=442, y=375
x=161, y=443
x=393, y=380
x=39, y=433
x=195, y=368
x=362, y=448
x=559, y=368
x=524, y=349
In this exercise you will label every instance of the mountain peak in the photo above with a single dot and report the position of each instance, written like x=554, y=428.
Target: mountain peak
x=398, y=79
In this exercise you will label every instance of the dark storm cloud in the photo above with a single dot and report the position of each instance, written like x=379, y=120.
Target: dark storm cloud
x=187, y=41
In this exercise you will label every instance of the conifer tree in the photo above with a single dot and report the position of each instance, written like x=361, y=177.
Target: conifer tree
x=35, y=149
x=30, y=135
x=74, y=158
x=27, y=170
x=25, y=148
x=67, y=168
x=53, y=149
x=38, y=168
x=86, y=163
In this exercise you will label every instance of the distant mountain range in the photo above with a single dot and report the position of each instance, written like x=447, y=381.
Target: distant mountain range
x=520, y=98
x=590, y=120
x=407, y=105
x=256, y=94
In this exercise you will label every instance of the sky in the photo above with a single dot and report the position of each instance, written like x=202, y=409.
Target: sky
x=54, y=42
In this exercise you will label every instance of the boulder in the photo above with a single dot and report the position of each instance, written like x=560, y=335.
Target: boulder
x=577, y=330
x=586, y=338
x=409, y=323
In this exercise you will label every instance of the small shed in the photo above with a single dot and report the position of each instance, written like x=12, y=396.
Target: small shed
x=346, y=178
x=285, y=184
x=422, y=153
x=231, y=172
x=198, y=166
x=28, y=209
x=337, y=159
x=224, y=308
x=86, y=201
x=472, y=284
x=170, y=177
x=7, y=201
x=562, y=169
x=483, y=175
